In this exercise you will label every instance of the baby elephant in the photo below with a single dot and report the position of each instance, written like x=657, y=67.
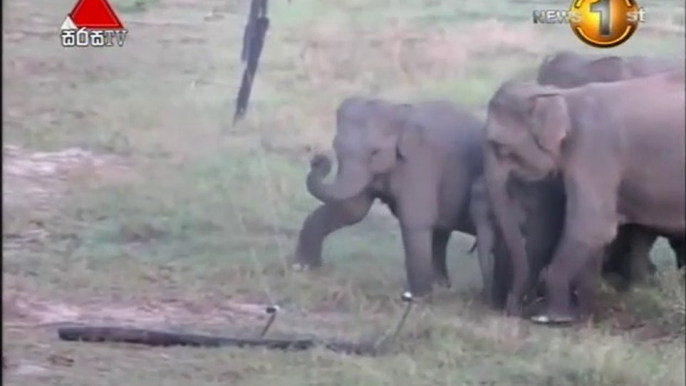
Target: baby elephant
x=419, y=159
x=539, y=211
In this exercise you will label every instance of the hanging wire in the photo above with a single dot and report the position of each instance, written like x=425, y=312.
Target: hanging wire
x=253, y=41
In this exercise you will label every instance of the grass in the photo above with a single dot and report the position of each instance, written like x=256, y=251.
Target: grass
x=194, y=218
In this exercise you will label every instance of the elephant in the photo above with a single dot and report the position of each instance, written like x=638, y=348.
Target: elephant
x=568, y=69
x=419, y=159
x=618, y=148
x=538, y=216
x=539, y=211
x=636, y=242
x=542, y=218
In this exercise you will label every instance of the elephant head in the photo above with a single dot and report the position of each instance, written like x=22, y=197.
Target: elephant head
x=568, y=69
x=371, y=137
x=525, y=130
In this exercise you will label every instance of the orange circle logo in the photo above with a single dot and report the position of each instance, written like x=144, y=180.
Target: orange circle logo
x=605, y=23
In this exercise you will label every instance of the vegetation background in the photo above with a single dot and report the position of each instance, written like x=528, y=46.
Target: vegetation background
x=130, y=199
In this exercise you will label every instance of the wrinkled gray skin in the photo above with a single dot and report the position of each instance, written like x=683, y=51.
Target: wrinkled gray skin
x=539, y=211
x=617, y=147
x=540, y=205
x=538, y=208
x=419, y=159
x=567, y=69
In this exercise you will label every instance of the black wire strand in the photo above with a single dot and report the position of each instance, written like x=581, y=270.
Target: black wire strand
x=253, y=41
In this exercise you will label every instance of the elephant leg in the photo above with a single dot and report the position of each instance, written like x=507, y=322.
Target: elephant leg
x=627, y=259
x=480, y=212
x=590, y=224
x=541, y=239
x=502, y=274
x=571, y=258
x=324, y=220
x=485, y=245
x=418, y=259
x=615, y=268
x=439, y=245
x=544, y=206
x=639, y=256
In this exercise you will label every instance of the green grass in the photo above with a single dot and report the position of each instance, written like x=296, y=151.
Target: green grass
x=201, y=216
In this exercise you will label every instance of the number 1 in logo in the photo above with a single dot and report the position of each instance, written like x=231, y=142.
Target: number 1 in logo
x=605, y=23
x=602, y=8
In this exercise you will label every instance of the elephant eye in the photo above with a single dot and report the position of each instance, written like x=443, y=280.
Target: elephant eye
x=498, y=149
x=503, y=153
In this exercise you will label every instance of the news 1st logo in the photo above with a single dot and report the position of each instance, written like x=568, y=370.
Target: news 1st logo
x=92, y=23
x=598, y=23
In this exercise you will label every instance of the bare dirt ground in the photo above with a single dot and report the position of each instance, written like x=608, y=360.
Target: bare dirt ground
x=35, y=181
x=129, y=199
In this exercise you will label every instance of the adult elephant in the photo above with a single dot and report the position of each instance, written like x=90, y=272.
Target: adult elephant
x=419, y=159
x=541, y=204
x=568, y=69
x=539, y=210
x=618, y=148
x=628, y=257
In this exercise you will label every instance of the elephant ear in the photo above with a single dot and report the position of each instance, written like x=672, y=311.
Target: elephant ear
x=608, y=69
x=550, y=122
x=392, y=119
x=410, y=140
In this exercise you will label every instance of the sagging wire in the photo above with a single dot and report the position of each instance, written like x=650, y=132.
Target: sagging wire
x=253, y=42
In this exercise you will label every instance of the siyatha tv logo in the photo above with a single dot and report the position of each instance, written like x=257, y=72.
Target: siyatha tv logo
x=92, y=23
x=599, y=23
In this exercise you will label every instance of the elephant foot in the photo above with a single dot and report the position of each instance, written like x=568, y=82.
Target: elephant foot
x=423, y=287
x=301, y=267
x=423, y=292
x=552, y=318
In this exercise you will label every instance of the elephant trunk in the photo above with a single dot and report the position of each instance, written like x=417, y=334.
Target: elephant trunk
x=352, y=178
x=506, y=218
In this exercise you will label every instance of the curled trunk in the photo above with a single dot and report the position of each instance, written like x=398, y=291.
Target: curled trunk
x=352, y=178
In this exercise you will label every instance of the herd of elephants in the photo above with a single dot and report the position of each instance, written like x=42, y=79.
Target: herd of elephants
x=569, y=179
